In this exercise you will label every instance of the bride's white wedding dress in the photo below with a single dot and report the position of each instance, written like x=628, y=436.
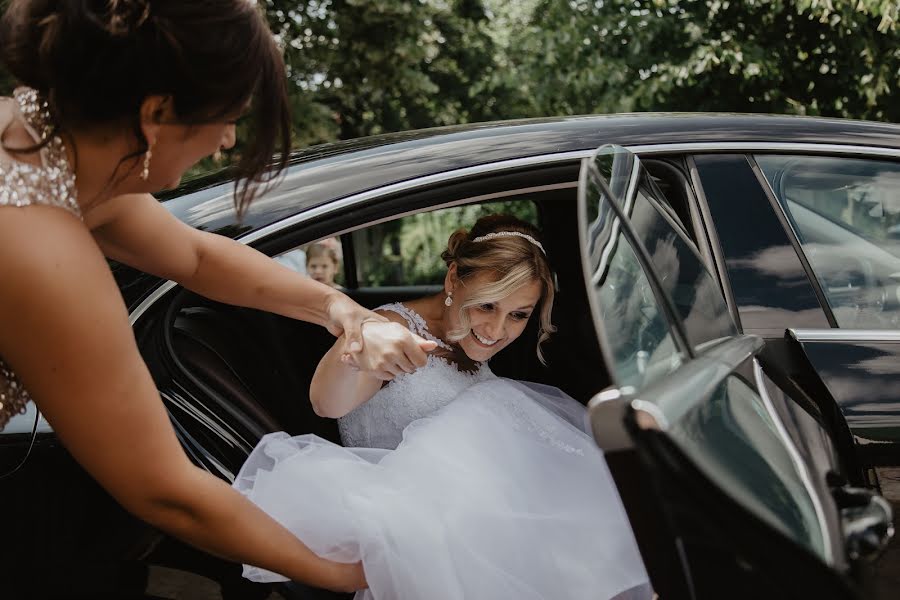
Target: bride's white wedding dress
x=455, y=485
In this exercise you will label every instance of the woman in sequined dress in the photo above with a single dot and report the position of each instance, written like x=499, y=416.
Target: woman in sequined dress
x=120, y=98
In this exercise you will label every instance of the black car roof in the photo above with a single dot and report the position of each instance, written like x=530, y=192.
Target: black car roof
x=330, y=171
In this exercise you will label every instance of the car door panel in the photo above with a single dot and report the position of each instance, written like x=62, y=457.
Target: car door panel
x=863, y=376
x=741, y=501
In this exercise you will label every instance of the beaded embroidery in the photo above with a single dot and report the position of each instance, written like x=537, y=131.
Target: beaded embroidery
x=23, y=184
x=53, y=183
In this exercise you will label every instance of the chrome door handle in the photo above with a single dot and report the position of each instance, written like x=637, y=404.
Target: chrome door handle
x=867, y=521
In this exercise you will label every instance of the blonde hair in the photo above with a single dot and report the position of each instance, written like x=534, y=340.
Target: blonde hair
x=514, y=260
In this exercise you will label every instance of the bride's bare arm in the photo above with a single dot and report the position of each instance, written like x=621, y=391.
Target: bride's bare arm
x=64, y=330
x=338, y=386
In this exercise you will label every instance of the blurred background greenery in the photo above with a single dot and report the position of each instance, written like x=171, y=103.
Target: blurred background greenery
x=363, y=67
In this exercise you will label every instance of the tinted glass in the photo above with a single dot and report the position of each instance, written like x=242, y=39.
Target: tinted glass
x=639, y=340
x=407, y=251
x=768, y=280
x=697, y=297
x=846, y=213
x=733, y=438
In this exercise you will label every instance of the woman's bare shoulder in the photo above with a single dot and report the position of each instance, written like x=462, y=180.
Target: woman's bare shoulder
x=41, y=241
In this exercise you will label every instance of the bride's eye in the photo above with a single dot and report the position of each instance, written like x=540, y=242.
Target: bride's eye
x=520, y=316
x=487, y=307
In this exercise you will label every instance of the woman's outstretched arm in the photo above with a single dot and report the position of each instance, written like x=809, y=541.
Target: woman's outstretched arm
x=65, y=332
x=340, y=385
x=138, y=231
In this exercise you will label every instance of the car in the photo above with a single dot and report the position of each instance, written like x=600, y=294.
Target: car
x=728, y=309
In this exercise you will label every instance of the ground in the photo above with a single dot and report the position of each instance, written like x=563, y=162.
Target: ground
x=887, y=568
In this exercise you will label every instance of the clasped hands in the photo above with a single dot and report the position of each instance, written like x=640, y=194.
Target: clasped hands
x=388, y=349
x=374, y=344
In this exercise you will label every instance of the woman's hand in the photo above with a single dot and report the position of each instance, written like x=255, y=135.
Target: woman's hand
x=389, y=349
x=346, y=317
x=344, y=577
x=385, y=350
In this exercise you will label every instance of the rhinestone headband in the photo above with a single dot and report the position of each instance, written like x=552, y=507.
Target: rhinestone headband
x=497, y=234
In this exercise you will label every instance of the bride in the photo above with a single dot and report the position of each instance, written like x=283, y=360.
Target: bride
x=452, y=482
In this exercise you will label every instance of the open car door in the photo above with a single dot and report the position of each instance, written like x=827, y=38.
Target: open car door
x=725, y=478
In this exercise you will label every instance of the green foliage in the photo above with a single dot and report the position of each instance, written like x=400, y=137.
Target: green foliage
x=362, y=67
x=408, y=251
x=817, y=57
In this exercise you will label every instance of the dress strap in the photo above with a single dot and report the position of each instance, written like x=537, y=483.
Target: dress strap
x=22, y=184
x=415, y=321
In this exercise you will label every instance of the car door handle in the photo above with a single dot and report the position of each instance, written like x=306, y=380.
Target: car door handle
x=867, y=521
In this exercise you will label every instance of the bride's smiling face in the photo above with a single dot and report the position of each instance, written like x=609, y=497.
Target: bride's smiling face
x=493, y=325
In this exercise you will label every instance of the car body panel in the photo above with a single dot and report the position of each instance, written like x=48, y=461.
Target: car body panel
x=862, y=372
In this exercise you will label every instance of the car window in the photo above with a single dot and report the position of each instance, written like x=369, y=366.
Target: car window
x=639, y=341
x=696, y=295
x=768, y=280
x=846, y=214
x=407, y=251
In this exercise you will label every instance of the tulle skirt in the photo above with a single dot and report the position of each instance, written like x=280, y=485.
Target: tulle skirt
x=500, y=495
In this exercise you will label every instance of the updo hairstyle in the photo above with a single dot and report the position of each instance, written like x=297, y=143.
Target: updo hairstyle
x=95, y=61
x=512, y=260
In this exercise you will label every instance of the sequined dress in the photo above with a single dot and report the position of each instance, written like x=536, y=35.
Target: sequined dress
x=22, y=184
x=484, y=487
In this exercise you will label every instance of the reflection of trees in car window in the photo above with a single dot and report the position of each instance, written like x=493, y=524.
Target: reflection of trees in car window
x=407, y=251
x=636, y=329
x=846, y=213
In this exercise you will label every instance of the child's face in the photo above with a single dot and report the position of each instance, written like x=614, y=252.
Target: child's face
x=322, y=269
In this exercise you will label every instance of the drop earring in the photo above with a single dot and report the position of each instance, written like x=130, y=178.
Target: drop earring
x=145, y=173
x=448, y=301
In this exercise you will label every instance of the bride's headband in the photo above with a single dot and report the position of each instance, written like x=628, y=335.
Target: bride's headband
x=497, y=234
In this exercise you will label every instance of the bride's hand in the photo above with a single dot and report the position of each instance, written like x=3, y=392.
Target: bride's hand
x=389, y=349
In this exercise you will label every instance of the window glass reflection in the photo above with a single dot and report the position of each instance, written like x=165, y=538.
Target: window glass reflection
x=696, y=295
x=733, y=438
x=846, y=213
x=640, y=342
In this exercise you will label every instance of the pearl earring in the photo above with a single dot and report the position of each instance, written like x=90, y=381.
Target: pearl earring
x=145, y=173
x=448, y=301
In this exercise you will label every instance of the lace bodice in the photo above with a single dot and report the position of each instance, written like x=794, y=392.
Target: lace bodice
x=22, y=184
x=380, y=421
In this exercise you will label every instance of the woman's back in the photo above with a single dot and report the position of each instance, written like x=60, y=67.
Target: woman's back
x=51, y=183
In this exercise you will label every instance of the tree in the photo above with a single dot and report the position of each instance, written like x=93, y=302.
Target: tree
x=818, y=57
x=362, y=67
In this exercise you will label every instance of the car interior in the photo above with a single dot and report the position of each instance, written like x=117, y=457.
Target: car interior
x=255, y=367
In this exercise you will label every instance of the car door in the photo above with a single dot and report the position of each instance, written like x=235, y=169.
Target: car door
x=18, y=438
x=811, y=245
x=724, y=477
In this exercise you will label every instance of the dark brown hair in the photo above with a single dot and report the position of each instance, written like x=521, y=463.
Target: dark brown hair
x=95, y=61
